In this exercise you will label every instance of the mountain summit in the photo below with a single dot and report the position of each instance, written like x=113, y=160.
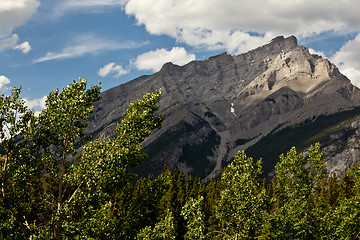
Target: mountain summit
x=228, y=103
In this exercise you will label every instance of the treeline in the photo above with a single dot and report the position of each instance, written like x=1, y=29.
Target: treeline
x=301, y=202
x=50, y=191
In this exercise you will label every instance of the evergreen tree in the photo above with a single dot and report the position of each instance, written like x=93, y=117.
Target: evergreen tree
x=136, y=207
x=212, y=197
x=343, y=220
x=163, y=230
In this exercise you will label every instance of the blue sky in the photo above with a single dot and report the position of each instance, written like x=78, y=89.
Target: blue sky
x=45, y=44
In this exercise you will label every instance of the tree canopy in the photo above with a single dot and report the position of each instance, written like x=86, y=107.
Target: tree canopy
x=58, y=183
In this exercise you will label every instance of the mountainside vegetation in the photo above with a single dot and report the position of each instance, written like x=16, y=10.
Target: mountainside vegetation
x=319, y=129
x=49, y=190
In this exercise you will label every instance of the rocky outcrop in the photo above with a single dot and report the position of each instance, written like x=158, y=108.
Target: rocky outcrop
x=227, y=103
x=343, y=148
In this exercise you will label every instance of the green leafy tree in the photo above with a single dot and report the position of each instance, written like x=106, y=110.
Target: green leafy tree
x=49, y=190
x=19, y=188
x=243, y=206
x=60, y=128
x=297, y=178
x=163, y=230
x=193, y=213
x=103, y=170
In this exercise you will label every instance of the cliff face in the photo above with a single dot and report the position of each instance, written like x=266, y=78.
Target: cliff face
x=228, y=103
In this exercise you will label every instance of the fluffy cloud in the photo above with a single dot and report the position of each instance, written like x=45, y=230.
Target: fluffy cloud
x=87, y=44
x=8, y=42
x=14, y=14
x=154, y=60
x=3, y=81
x=111, y=68
x=348, y=60
x=11, y=42
x=37, y=104
x=238, y=26
x=226, y=23
x=24, y=47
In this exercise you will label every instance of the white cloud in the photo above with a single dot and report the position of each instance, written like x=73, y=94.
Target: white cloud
x=238, y=26
x=25, y=47
x=8, y=42
x=225, y=23
x=87, y=44
x=312, y=51
x=11, y=42
x=92, y=6
x=37, y=104
x=76, y=4
x=348, y=60
x=154, y=60
x=111, y=68
x=3, y=81
x=14, y=13
x=353, y=74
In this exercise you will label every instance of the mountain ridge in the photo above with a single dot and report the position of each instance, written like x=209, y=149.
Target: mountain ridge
x=227, y=103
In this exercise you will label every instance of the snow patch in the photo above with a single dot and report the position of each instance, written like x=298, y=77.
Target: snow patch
x=232, y=110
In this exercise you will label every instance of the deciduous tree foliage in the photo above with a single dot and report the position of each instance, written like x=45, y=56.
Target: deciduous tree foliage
x=20, y=188
x=297, y=178
x=103, y=169
x=194, y=215
x=66, y=199
x=60, y=127
x=242, y=207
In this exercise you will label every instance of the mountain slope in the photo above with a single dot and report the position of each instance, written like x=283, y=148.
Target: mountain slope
x=228, y=103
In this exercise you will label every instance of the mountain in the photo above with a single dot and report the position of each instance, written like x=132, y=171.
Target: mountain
x=278, y=95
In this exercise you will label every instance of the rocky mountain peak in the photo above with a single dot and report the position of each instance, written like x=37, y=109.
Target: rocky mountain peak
x=228, y=103
x=287, y=43
x=275, y=46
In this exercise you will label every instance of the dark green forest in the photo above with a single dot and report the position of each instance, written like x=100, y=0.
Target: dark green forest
x=51, y=190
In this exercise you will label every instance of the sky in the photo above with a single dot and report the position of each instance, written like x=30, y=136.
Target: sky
x=46, y=44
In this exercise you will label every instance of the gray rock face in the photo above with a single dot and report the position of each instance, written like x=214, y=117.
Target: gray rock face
x=226, y=103
x=343, y=148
